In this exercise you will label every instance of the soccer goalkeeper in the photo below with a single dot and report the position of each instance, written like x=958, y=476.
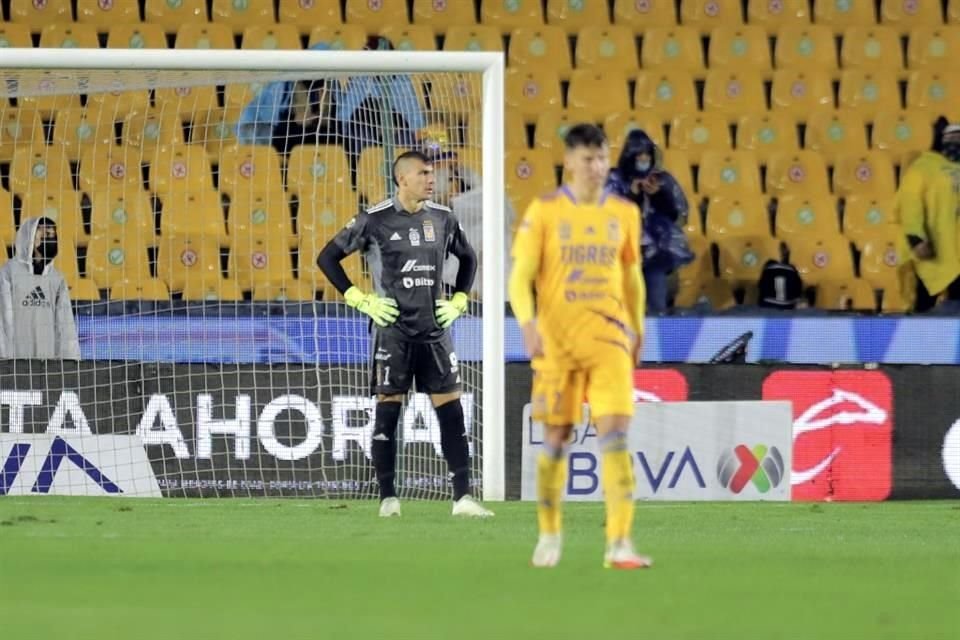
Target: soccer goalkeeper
x=406, y=240
x=579, y=248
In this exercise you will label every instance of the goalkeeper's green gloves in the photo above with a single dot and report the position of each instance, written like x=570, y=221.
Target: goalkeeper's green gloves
x=383, y=311
x=450, y=310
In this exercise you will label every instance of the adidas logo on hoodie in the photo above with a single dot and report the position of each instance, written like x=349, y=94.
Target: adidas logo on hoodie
x=36, y=298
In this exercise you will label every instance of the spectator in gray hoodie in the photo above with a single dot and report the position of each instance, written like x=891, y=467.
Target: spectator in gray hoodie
x=36, y=319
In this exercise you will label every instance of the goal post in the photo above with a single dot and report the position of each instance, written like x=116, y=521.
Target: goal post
x=37, y=74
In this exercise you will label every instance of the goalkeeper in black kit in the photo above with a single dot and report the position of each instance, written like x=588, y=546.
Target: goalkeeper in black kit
x=405, y=240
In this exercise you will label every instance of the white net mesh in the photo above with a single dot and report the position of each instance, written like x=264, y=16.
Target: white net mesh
x=191, y=208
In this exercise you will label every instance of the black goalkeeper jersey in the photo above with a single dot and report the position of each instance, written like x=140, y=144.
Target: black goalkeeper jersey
x=405, y=252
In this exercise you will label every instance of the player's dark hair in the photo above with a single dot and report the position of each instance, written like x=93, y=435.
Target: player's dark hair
x=408, y=155
x=584, y=135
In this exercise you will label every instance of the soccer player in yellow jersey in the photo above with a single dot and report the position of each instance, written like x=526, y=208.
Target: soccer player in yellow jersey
x=578, y=248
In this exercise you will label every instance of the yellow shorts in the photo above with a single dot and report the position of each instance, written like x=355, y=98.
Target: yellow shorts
x=558, y=394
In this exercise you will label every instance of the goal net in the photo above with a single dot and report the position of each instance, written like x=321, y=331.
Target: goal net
x=192, y=194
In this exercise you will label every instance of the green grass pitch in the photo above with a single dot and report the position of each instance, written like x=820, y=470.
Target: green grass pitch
x=232, y=569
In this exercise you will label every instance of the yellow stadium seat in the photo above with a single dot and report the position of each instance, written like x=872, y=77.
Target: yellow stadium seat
x=820, y=259
x=171, y=16
x=677, y=162
x=240, y=15
x=573, y=17
x=103, y=14
x=48, y=93
x=904, y=15
x=239, y=94
x=8, y=230
x=40, y=168
x=122, y=213
x=410, y=37
x=934, y=91
x=179, y=168
x=641, y=15
x=607, y=48
x=113, y=259
x=714, y=293
x=322, y=218
x=732, y=93
x=841, y=14
x=472, y=38
x=618, y=125
x=150, y=289
x=271, y=36
x=514, y=130
x=676, y=49
x=800, y=93
x=805, y=47
x=699, y=132
x=953, y=11
x=903, y=134
x=846, y=295
x=13, y=35
x=868, y=92
x=528, y=174
x=289, y=291
x=63, y=207
x=665, y=93
x=869, y=172
x=254, y=214
x=799, y=172
x=540, y=48
x=933, y=48
x=529, y=93
x=739, y=48
x=258, y=260
x=730, y=173
x=596, y=94
x=111, y=168
x=741, y=258
x=213, y=288
x=832, y=133
x=803, y=215
x=874, y=48
x=737, y=215
x=216, y=129
x=19, y=129
x=318, y=171
x=707, y=15
x=136, y=36
x=347, y=37
x=193, y=214
x=307, y=14
x=766, y=134
x=249, y=169
x=456, y=93
x=200, y=35
x=66, y=260
x=552, y=127
x=374, y=175
x=83, y=289
x=774, y=15
x=866, y=216
x=310, y=247
x=117, y=105
x=508, y=16
x=69, y=36
x=188, y=262
x=37, y=15
x=76, y=130
x=886, y=263
x=442, y=15
x=374, y=16
x=189, y=103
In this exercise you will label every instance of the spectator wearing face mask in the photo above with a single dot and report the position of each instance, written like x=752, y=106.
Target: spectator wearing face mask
x=928, y=200
x=640, y=178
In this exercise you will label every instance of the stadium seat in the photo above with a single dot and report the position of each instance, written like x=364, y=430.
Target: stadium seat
x=38, y=168
x=665, y=93
x=66, y=260
x=573, y=17
x=122, y=213
x=260, y=260
x=735, y=215
x=322, y=218
x=213, y=288
x=48, y=93
x=933, y=48
x=410, y=37
x=193, y=214
x=531, y=93
x=514, y=130
x=113, y=259
x=767, y=133
x=442, y=15
x=310, y=247
x=19, y=129
x=63, y=207
x=886, y=263
x=8, y=229
x=528, y=174
x=68, y=35
x=834, y=132
x=540, y=49
x=149, y=289
x=13, y=35
x=714, y=293
x=37, y=15
x=374, y=175
x=240, y=15
x=185, y=261
x=873, y=48
x=677, y=162
x=732, y=93
x=82, y=289
x=730, y=173
x=803, y=215
x=104, y=14
x=215, y=129
x=136, y=36
x=740, y=48
x=846, y=295
x=201, y=35
x=618, y=125
x=799, y=172
x=76, y=130
x=699, y=132
x=189, y=103
x=258, y=214
x=607, y=48
x=903, y=134
x=800, y=93
x=472, y=38
x=552, y=127
x=773, y=16
x=271, y=36
x=905, y=15
x=934, y=91
x=741, y=258
x=179, y=168
x=289, y=291
x=305, y=15
x=839, y=15
x=647, y=14
x=868, y=172
x=171, y=16
x=374, y=16
x=146, y=131
x=456, y=93
x=707, y=15
x=866, y=216
x=821, y=259
x=508, y=16
x=110, y=169
x=347, y=37
x=318, y=171
x=117, y=105
x=249, y=169
x=805, y=47
x=868, y=92
x=596, y=94
x=953, y=11
x=675, y=49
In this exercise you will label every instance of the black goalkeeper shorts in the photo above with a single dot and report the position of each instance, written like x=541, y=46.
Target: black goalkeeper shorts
x=397, y=363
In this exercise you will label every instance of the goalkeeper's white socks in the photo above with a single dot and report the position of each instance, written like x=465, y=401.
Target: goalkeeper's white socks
x=621, y=555
x=390, y=507
x=547, y=552
x=468, y=507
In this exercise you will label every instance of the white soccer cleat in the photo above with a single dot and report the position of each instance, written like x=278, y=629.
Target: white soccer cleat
x=547, y=552
x=621, y=555
x=390, y=507
x=468, y=507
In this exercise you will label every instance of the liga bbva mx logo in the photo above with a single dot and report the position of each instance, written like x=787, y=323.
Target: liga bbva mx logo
x=763, y=466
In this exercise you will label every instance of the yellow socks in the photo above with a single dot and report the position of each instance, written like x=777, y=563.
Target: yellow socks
x=618, y=484
x=551, y=476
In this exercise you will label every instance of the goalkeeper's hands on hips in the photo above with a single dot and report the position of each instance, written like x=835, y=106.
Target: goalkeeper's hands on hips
x=449, y=310
x=383, y=311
